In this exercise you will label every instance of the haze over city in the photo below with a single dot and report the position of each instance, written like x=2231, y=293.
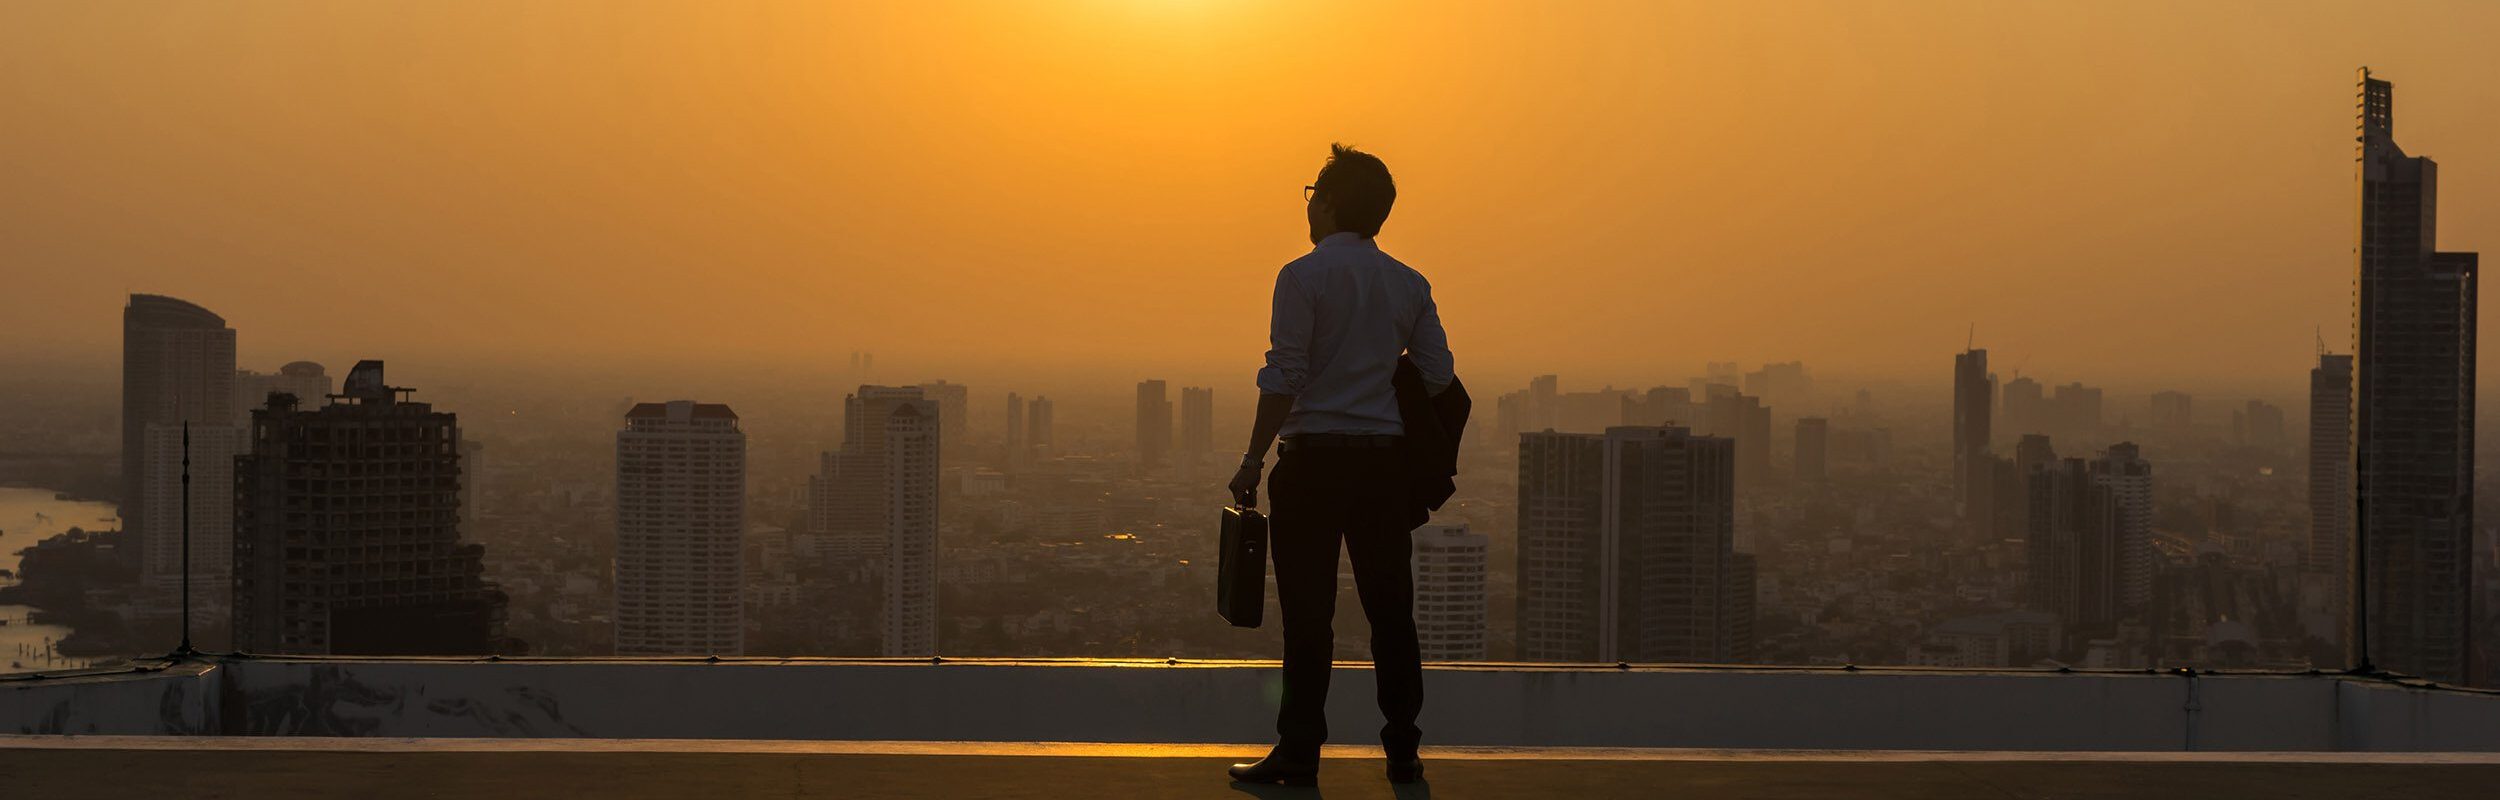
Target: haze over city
x=2131, y=193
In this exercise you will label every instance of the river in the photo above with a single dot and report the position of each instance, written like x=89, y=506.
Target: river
x=26, y=517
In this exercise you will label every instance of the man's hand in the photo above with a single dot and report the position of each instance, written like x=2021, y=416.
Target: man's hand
x=1246, y=486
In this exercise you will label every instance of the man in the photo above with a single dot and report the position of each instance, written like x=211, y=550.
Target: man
x=1343, y=315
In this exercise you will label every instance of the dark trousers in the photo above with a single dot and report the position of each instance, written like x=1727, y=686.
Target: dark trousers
x=1321, y=497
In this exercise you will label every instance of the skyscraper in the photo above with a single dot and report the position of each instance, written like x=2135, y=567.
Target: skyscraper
x=1974, y=396
x=680, y=530
x=2413, y=409
x=2010, y=497
x=1197, y=420
x=877, y=498
x=1561, y=508
x=2330, y=484
x=1627, y=548
x=2026, y=407
x=953, y=401
x=1015, y=425
x=1154, y=423
x=2073, y=546
x=177, y=367
x=347, y=531
x=1745, y=421
x=1037, y=426
x=1449, y=571
x=1813, y=447
x=2129, y=478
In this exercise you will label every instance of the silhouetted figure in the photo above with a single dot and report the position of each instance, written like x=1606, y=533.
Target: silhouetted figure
x=1343, y=316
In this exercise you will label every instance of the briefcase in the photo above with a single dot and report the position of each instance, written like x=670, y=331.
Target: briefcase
x=1241, y=567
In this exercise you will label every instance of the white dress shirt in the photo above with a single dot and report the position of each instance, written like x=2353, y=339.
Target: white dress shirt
x=1343, y=315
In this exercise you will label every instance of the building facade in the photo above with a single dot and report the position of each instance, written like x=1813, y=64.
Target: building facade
x=347, y=531
x=1197, y=420
x=680, y=530
x=2413, y=410
x=1449, y=572
x=1974, y=398
x=177, y=368
x=1154, y=423
x=2328, y=559
x=1627, y=549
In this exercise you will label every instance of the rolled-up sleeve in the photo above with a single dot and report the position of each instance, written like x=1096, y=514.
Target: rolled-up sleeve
x=1289, y=325
x=1429, y=346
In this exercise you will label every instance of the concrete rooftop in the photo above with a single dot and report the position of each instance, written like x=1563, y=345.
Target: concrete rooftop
x=75, y=766
x=238, y=726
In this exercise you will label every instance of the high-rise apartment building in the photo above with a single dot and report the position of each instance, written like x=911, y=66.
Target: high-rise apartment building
x=2010, y=495
x=1745, y=421
x=2129, y=478
x=347, y=531
x=2259, y=425
x=2073, y=546
x=954, y=401
x=1037, y=425
x=1154, y=423
x=1449, y=572
x=2329, y=555
x=177, y=368
x=2413, y=410
x=1015, y=424
x=1627, y=548
x=680, y=530
x=1197, y=420
x=1974, y=398
x=877, y=498
x=2026, y=408
x=1813, y=449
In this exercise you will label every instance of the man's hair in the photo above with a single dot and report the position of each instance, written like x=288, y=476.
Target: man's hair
x=1358, y=189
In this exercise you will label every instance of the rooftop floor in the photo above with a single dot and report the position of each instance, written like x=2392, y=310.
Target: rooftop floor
x=75, y=766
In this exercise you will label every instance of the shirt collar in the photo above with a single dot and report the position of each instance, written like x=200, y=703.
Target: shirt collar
x=1347, y=239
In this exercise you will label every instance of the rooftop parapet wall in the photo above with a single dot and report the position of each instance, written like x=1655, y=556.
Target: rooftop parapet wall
x=1233, y=702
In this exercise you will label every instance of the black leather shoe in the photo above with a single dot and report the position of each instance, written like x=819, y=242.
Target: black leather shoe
x=1276, y=770
x=1406, y=770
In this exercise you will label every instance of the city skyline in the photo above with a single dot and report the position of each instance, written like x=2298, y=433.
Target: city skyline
x=2236, y=252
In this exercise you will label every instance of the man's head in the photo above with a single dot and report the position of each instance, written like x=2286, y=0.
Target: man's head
x=1353, y=194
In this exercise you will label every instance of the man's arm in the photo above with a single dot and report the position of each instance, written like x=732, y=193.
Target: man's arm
x=1429, y=347
x=1280, y=380
x=1272, y=411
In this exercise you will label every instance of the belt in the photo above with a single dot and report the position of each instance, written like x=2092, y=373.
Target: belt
x=1308, y=441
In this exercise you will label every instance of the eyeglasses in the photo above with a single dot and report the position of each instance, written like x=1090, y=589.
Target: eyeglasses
x=1309, y=191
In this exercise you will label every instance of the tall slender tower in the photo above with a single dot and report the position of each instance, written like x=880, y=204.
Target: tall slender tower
x=1813, y=445
x=681, y=486
x=1037, y=426
x=1154, y=423
x=1197, y=420
x=2330, y=487
x=2413, y=410
x=1974, y=397
x=2129, y=479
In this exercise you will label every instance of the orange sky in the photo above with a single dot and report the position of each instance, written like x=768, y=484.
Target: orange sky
x=2130, y=193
